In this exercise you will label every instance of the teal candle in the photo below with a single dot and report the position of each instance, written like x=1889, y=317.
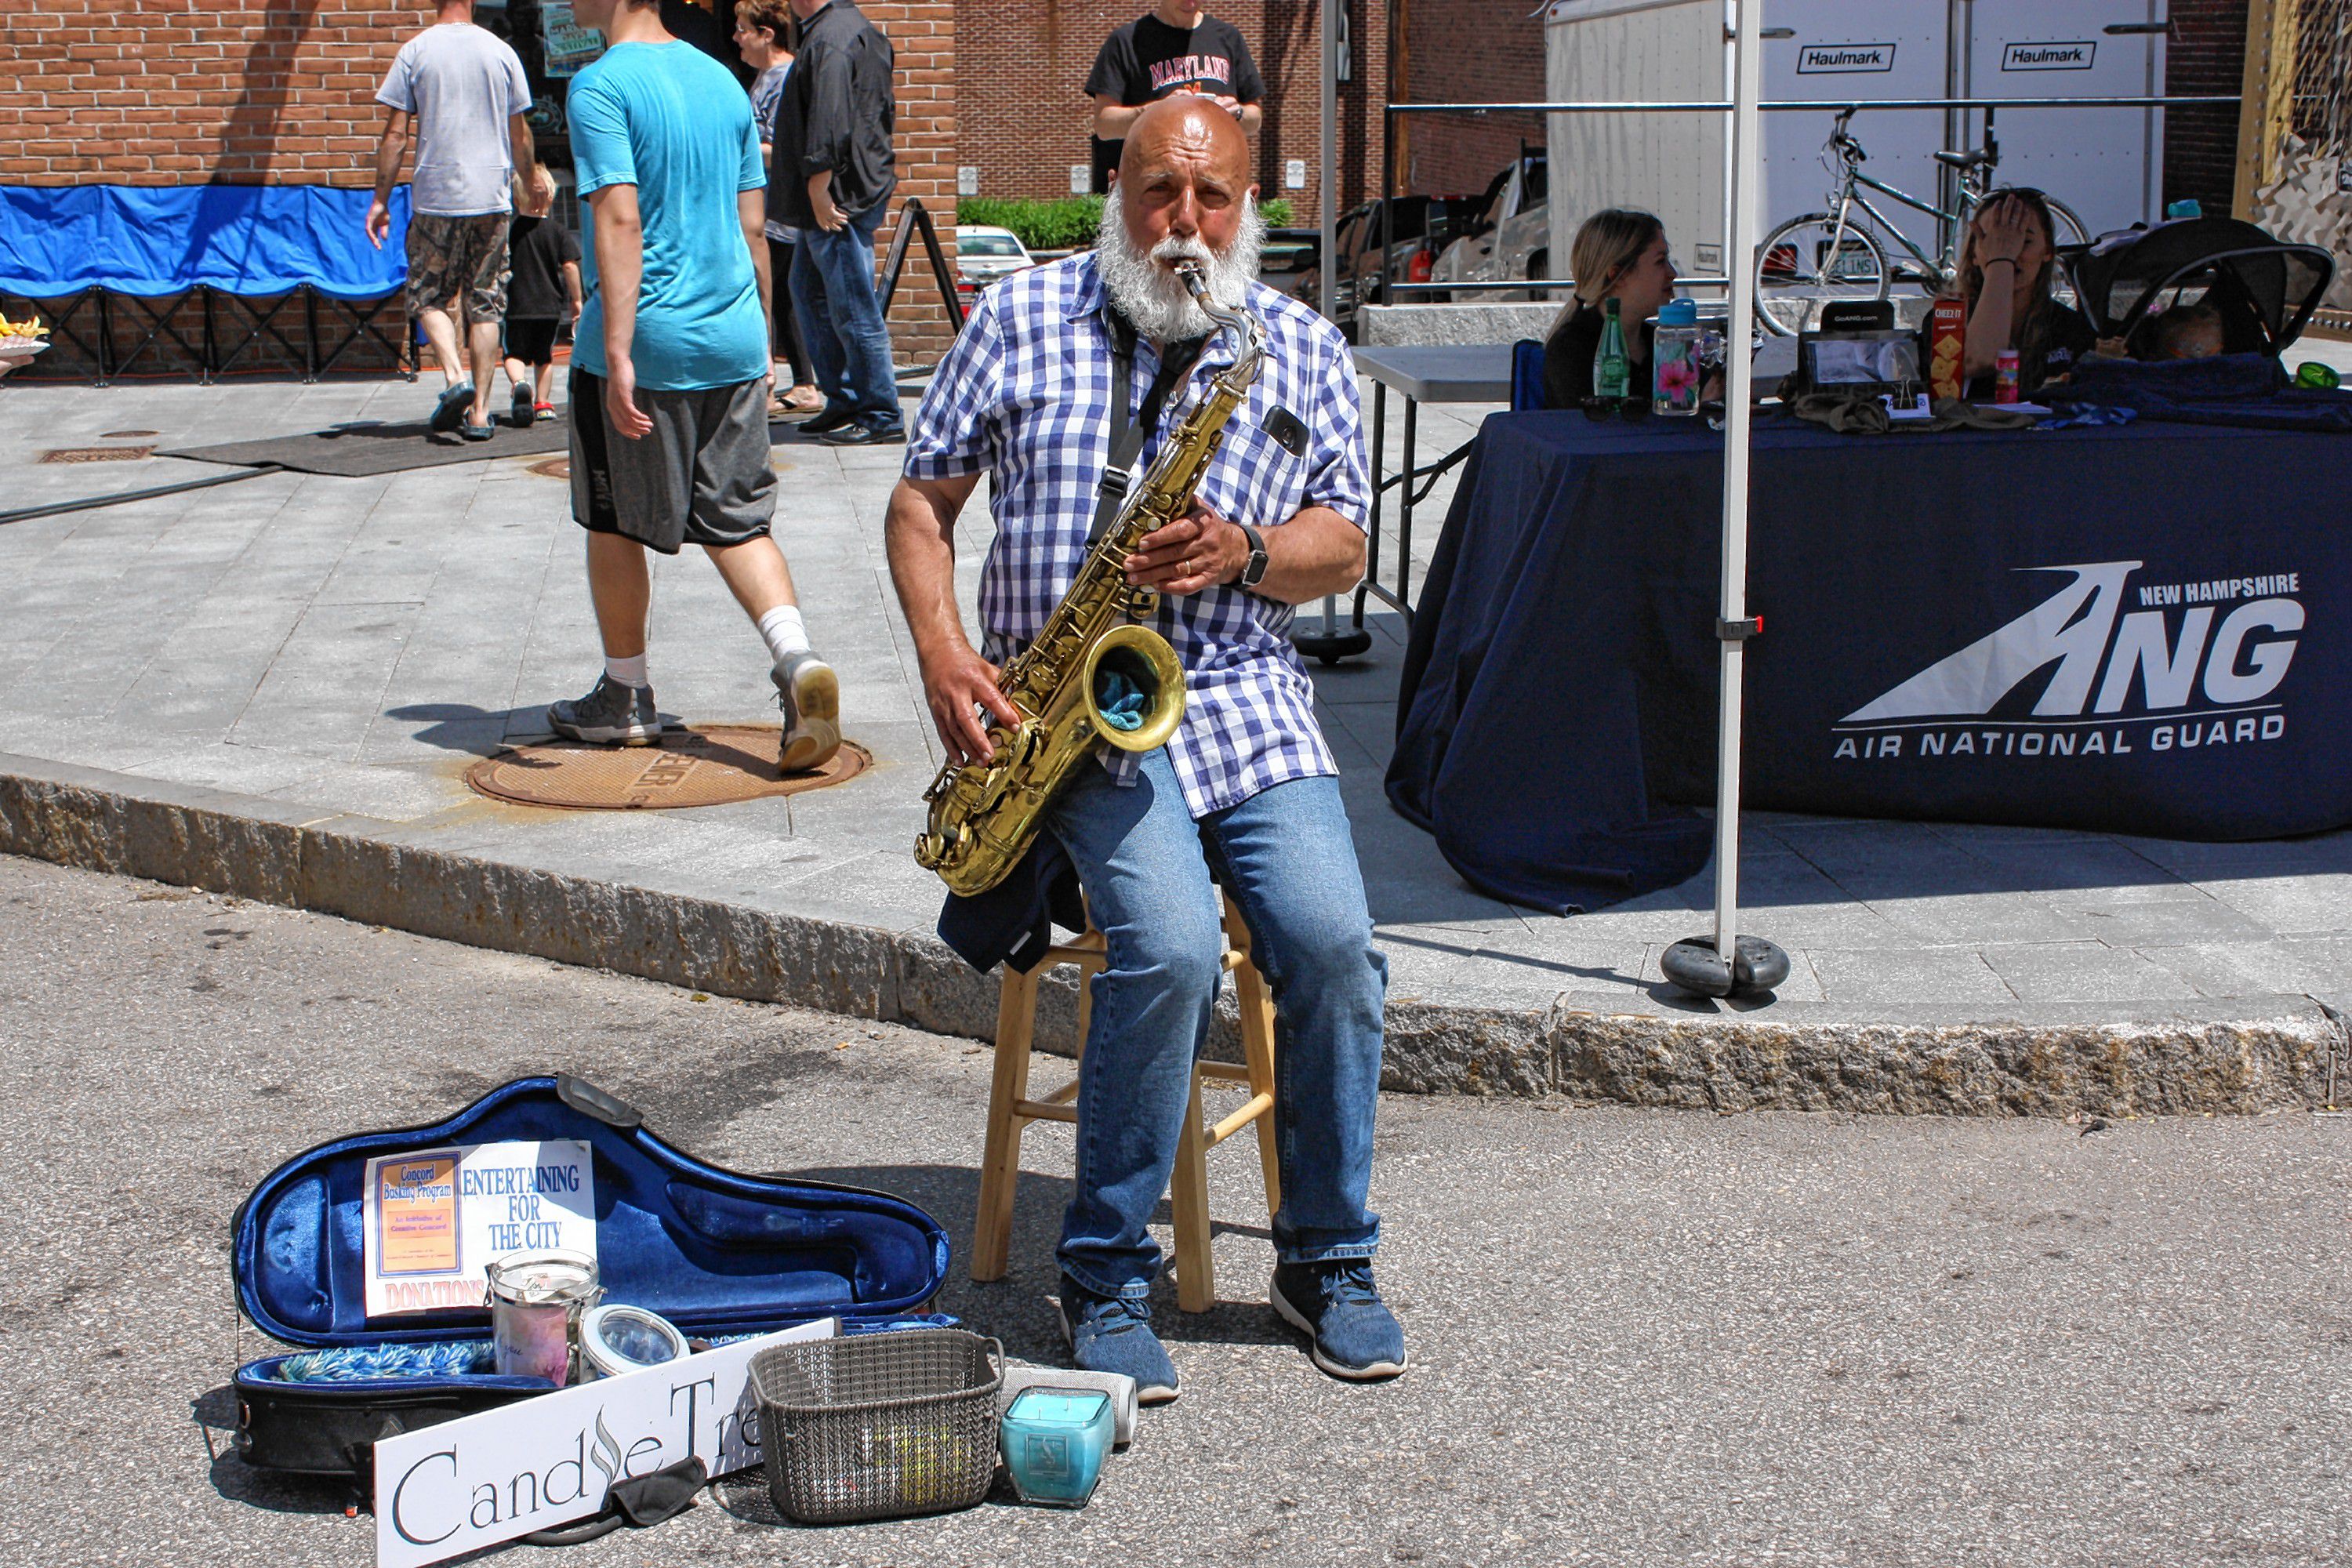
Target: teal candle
x=1054, y=1441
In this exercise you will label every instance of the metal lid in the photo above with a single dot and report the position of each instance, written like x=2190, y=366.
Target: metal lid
x=549, y=1278
x=617, y=1338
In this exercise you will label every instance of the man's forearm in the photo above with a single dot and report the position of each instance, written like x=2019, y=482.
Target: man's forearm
x=1111, y=120
x=1317, y=552
x=388, y=154
x=1252, y=117
x=620, y=268
x=526, y=152
x=917, y=536
x=755, y=240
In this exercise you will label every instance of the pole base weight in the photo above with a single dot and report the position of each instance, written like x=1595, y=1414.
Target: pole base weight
x=1332, y=647
x=1756, y=967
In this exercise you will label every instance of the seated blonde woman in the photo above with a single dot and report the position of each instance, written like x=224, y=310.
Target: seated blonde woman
x=1620, y=254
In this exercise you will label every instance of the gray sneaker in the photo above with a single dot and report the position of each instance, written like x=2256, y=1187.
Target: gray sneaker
x=809, y=694
x=611, y=713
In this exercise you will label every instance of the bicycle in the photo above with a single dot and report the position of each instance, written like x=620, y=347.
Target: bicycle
x=1843, y=254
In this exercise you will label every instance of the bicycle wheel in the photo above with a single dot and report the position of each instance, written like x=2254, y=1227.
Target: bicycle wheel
x=1808, y=260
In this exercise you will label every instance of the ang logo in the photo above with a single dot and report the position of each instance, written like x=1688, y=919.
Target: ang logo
x=2232, y=660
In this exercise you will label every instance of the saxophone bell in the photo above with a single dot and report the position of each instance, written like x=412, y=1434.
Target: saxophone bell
x=1142, y=658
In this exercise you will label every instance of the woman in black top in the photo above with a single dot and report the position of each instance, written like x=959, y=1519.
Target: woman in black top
x=2007, y=263
x=1618, y=253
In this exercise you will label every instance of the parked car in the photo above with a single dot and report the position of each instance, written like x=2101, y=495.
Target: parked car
x=1419, y=226
x=985, y=254
x=1291, y=260
x=1512, y=237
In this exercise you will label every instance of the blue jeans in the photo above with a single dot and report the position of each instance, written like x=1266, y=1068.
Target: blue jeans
x=1288, y=857
x=841, y=320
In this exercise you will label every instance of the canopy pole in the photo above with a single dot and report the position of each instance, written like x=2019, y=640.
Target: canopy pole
x=1327, y=135
x=1747, y=167
x=1730, y=964
x=1331, y=645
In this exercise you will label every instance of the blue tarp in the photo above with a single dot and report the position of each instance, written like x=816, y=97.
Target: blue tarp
x=241, y=239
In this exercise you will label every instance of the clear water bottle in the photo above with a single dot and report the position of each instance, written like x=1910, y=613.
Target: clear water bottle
x=1612, y=371
x=1675, y=373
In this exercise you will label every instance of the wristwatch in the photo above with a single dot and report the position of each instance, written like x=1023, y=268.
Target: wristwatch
x=1253, y=569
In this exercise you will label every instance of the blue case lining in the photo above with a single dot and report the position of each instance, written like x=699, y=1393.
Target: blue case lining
x=714, y=1251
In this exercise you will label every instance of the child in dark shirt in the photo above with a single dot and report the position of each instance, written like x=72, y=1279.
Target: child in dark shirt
x=545, y=256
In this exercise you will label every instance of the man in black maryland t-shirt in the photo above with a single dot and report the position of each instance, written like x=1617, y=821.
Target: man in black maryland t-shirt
x=1175, y=48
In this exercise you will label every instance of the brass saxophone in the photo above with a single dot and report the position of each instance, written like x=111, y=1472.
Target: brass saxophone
x=984, y=815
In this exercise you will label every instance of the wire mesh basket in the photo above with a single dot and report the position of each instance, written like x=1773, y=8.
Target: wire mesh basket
x=878, y=1426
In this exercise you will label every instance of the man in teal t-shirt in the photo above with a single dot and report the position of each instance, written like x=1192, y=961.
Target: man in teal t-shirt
x=669, y=370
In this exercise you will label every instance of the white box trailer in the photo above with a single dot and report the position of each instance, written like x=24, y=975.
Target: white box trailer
x=2107, y=163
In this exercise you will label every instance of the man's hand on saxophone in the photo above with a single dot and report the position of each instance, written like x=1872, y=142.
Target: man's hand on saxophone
x=1197, y=550
x=1317, y=552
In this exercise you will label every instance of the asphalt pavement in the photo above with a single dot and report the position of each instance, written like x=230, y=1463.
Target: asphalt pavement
x=1639, y=1337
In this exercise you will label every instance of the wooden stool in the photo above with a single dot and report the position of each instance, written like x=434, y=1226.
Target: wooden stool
x=1010, y=1110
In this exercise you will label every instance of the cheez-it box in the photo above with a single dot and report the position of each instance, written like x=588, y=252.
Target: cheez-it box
x=1948, y=326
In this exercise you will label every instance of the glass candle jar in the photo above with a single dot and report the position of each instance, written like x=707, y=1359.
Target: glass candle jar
x=535, y=1299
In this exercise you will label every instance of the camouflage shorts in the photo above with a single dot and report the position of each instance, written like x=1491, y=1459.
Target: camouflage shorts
x=450, y=256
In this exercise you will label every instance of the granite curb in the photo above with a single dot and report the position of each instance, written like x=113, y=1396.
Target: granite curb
x=2246, y=1055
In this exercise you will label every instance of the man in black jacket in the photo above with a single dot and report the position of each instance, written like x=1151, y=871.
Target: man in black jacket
x=835, y=171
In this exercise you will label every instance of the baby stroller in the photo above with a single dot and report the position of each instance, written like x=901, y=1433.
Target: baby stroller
x=2264, y=290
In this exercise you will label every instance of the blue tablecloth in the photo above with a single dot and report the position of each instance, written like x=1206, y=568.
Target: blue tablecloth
x=2145, y=629
x=154, y=241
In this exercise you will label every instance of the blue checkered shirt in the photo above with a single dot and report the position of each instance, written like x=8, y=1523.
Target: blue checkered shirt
x=1025, y=394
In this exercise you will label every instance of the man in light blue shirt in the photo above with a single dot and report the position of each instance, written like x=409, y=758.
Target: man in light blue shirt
x=669, y=372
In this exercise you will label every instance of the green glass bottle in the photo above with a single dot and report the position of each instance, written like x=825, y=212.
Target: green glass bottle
x=1612, y=373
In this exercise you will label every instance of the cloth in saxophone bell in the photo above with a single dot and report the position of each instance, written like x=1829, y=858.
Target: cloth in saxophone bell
x=1120, y=701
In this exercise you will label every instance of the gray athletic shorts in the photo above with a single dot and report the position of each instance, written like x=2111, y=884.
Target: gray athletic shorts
x=699, y=477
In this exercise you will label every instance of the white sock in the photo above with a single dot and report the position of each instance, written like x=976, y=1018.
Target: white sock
x=627, y=671
x=781, y=630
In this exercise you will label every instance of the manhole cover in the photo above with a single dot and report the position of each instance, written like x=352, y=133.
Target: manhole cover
x=710, y=764
x=555, y=467
x=94, y=454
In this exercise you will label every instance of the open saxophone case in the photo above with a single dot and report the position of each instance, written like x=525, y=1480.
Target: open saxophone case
x=714, y=1254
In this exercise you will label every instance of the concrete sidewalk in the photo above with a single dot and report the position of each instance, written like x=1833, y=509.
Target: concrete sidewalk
x=274, y=686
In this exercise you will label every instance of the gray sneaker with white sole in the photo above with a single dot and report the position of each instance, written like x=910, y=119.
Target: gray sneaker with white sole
x=809, y=694
x=611, y=714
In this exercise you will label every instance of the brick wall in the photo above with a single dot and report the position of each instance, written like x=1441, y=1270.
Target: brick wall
x=922, y=35
x=176, y=92
x=2206, y=54
x=1466, y=51
x=1022, y=69
x=181, y=93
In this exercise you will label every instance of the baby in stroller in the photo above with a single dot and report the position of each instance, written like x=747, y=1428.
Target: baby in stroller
x=2186, y=331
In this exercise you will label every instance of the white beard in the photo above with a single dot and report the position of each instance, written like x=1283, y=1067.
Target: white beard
x=1151, y=296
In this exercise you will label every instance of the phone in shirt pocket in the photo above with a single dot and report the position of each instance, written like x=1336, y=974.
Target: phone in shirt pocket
x=1259, y=475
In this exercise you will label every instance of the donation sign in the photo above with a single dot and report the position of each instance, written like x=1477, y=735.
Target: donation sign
x=436, y=1218
x=463, y=1485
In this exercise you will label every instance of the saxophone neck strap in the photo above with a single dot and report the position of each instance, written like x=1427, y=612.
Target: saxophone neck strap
x=1128, y=434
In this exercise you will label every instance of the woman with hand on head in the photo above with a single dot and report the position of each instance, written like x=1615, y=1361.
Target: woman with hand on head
x=1620, y=254
x=2008, y=264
